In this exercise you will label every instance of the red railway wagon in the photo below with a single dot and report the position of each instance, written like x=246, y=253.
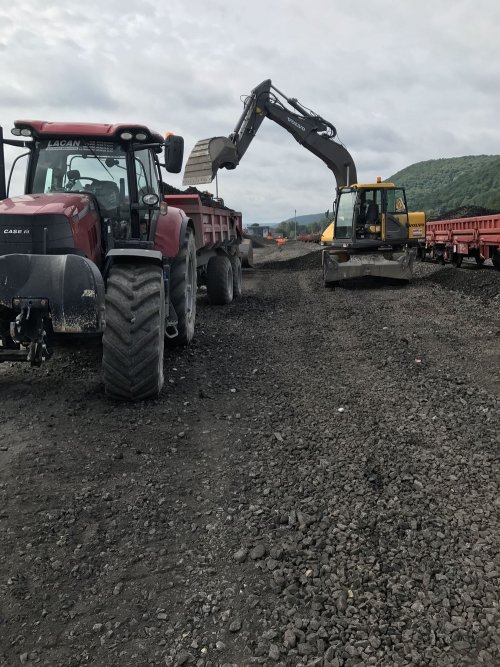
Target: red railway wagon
x=452, y=240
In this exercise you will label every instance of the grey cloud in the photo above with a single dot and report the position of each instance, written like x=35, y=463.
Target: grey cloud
x=402, y=82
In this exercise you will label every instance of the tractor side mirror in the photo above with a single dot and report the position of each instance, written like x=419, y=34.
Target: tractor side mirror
x=174, y=153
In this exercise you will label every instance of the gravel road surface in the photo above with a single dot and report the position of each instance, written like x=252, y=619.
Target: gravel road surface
x=317, y=485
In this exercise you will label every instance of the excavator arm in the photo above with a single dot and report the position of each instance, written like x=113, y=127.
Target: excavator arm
x=309, y=129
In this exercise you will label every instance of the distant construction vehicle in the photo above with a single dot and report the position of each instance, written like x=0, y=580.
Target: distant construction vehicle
x=373, y=232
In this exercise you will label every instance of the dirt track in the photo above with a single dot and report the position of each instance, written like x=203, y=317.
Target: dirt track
x=317, y=485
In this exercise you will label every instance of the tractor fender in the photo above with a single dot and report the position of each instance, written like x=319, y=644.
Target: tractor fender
x=138, y=254
x=72, y=285
x=118, y=255
x=171, y=232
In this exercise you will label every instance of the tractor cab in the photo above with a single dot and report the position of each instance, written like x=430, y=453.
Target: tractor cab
x=117, y=166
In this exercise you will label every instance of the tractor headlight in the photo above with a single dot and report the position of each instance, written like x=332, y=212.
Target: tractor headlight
x=141, y=136
x=126, y=136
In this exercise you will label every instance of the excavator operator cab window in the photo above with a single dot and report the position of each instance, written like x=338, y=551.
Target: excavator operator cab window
x=345, y=215
x=367, y=214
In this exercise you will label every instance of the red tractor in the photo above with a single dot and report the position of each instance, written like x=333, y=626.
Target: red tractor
x=94, y=247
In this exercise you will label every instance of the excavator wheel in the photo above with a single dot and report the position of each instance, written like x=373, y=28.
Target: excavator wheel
x=219, y=280
x=183, y=288
x=133, y=340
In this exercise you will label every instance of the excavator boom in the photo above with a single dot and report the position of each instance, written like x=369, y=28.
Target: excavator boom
x=308, y=129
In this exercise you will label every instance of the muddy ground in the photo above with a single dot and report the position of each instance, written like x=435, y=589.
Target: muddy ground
x=316, y=485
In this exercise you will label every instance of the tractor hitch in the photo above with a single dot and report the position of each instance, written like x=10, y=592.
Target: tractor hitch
x=28, y=331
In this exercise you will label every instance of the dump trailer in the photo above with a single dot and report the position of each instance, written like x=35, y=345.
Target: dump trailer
x=94, y=247
x=383, y=244
x=452, y=240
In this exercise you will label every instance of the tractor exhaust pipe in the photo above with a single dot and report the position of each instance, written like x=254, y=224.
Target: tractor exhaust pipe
x=3, y=185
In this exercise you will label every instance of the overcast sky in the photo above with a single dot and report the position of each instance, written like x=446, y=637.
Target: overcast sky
x=402, y=81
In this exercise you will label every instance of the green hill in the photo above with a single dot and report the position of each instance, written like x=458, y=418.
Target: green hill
x=436, y=186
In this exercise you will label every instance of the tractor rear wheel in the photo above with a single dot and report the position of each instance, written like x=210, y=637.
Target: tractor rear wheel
x=183, y=288
x=237, y=275
x=133, y=340
x=219, y=280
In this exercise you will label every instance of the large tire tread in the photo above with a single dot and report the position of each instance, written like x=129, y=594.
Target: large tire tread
x=219, y=280
x=134, y=335
x=183, y=303
x=237, y=275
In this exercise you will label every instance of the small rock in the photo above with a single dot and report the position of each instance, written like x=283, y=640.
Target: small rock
x=274, y=652
x=235, y=626
x=259, y=551
x=184, y=657
x=241, y=555
x=118, y=588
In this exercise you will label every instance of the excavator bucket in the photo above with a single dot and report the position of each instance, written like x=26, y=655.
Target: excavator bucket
x=396, y=265
x=207, y=157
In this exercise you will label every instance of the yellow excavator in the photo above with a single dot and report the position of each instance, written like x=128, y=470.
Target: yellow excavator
x=372, y=232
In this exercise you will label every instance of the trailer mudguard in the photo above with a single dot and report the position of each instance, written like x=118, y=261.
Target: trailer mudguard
x=71, y=284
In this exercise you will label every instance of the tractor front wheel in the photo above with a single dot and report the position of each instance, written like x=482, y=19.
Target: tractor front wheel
x=133, y=340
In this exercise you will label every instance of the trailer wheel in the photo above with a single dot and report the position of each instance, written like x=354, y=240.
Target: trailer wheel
x=133, y=340
x=219, y=280
x=456, y=259
x=246, y=251
x=496, y=260
x=237, y=275
x=479, y=259
x=183, y=288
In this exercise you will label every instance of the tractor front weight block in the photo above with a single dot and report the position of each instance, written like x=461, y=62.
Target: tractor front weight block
x=68, y=290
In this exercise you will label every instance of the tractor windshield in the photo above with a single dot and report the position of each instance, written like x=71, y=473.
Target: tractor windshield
x=92, y=167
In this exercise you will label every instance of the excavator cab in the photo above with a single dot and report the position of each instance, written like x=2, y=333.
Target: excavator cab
x=370, y=234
